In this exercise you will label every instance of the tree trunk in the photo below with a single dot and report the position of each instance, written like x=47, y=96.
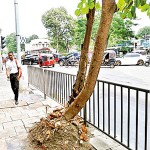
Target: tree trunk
x=108, y=9
x=84, y=57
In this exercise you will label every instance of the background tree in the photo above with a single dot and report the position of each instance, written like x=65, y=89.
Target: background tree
x=81, y=29
x=109, y=7
x=143, y=32
x=32, y=37
x=60, y=27
x=120, y=30
x=11, y=42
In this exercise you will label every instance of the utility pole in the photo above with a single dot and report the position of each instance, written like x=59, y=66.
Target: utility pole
x=17, y=30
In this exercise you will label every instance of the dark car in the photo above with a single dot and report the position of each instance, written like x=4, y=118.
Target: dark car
x=30, y=59
x=70, y=59
x=56, y=57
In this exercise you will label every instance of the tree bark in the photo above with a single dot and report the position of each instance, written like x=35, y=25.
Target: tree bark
x=84, y=57
x=108, y=9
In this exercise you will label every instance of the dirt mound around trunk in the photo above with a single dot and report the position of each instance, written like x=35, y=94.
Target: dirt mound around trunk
x=56, y=133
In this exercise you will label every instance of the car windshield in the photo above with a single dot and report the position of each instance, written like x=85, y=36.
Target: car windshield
x=132, y=55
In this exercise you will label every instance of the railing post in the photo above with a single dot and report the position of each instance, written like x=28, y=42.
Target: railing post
x=85, y=116
x=44, y=81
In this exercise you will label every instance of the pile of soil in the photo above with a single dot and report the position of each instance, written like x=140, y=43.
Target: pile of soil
x=56, y=133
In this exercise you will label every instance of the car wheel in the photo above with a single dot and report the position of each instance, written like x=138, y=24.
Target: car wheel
x=112, y=65
x=146, y=64
x=61, y=63
x=118, y=63
x=140, y=62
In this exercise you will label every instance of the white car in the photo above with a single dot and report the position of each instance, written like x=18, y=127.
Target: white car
x=131, y=59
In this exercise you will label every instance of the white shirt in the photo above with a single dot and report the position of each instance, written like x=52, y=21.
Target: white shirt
x=12, y=66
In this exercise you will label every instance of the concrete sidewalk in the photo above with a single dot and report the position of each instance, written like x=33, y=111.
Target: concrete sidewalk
x=15, y=121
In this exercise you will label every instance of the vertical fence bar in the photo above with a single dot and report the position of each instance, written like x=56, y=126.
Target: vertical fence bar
x=61, y=89
x=68, y=87
x=114, y=111
x=59, y=82
x=85, y=114
x=108, y=108
x=146, y=120
x=98, y=104
x=137, y=112
x=128, y=136
x=51, y=77
x=103, y=106
x=89, y=110
x=121, y=114
x=52, y=85
x=44, y=83
x=94, y=106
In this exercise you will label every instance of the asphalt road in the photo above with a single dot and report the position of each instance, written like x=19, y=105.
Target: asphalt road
x=131, y=75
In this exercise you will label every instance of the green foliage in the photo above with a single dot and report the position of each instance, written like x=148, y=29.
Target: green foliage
x=80, y=30
x=60, y=27
x=120, y=30
x=32, y=37
x=85, y=5
x=128, y=8
x=143, y=32
x=11, y=42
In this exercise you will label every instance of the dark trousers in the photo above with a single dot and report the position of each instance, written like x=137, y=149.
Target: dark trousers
x=14, y=84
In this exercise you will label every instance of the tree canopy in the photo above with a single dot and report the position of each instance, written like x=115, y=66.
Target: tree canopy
x=11, y=42
x=32, y=37
x=143, y=32
x=60, y=27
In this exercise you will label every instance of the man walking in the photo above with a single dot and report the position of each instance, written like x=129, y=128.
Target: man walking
x=13, y=73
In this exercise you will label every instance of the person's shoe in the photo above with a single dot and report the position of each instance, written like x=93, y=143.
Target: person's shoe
x=16, y=102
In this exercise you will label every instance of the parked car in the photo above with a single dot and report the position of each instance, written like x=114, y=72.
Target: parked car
x=131, y=59
x=30, y=59
x=142, y=52
x=69, y=59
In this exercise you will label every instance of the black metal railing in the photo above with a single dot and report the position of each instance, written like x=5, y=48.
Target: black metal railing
x=120, y=111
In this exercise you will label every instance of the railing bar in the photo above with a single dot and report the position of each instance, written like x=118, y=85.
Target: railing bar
x=137, y=101
x=114, y=111
x=68, y=87
x=51, y=84
x=57, y=86
x=89, y=110
x=121, y=114
x=108, y=108
x=146, y=120
x=94, y=106
x=103, y=106
x=128, y=137
x=98, y=104
x=63, y=88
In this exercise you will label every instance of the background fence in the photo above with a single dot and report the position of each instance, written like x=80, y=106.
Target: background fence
x=118, y=110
